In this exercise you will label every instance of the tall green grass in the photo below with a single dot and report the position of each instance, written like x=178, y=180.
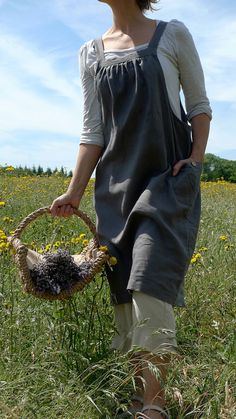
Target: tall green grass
x=56, y=360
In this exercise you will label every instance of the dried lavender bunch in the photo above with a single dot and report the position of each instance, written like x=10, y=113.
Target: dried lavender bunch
x=58, y=272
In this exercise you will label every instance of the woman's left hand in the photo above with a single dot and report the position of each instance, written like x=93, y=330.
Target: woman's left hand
x=180, y=163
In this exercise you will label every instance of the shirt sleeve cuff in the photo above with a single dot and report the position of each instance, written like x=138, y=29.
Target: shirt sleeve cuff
x=96, y=139
x=198, y=110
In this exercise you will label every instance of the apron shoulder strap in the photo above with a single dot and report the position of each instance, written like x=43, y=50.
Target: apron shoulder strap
x=158, y=34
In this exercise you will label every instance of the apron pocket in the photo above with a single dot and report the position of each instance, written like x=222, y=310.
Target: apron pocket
x=186, y=184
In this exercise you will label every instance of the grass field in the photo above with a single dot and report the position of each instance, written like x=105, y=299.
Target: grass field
x=56, y=360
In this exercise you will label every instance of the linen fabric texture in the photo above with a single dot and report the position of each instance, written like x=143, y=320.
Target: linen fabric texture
x=175, y=48
x=148, y=218
x=145, y=324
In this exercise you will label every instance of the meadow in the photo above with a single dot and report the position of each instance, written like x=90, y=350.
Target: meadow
x=56, y=360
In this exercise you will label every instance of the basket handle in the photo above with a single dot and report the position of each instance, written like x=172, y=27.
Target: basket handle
x=84, y=217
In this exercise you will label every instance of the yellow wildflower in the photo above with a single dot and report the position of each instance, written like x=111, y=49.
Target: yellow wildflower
x=2, y=204
x=8, y=219
x=57, y=244
x=112, y=260
x=103, y=248
x=229, y=246
x=9, y=168
x=223, y=237
x=203, y=249
x=85, y=242
x=196, y=257
x=82, y=236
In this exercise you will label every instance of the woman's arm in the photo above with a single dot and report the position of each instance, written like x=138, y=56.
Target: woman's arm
x=197, y=104
x=200, y=131
x=191, y=73
x=91, y=141
x=88, y=157
x=92, y=132
x=91, y=145
x=63, y=206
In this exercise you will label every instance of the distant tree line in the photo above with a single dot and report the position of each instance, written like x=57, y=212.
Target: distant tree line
x=39, y=171
x=214, y=168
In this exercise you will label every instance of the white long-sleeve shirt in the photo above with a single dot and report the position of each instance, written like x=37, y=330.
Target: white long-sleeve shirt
x=181, y=66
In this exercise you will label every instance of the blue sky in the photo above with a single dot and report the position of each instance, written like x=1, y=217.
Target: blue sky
x=41, y=101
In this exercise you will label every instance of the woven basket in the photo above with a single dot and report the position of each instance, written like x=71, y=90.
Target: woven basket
x=90, y=253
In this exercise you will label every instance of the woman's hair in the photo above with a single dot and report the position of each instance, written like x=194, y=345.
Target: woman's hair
x=146, y=4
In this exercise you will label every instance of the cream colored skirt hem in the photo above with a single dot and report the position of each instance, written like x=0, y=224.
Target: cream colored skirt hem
x=146, y=324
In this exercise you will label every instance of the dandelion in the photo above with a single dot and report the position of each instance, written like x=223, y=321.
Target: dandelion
x=203, y=249
x=103, y=248
x=196, y=257
x=85, y=242
x=223, y=238
x=229, y=246
x=4, y=247
x=8, y=219
x=57, y=244
x=2, y=235
x=82, y=236
x=112, y=260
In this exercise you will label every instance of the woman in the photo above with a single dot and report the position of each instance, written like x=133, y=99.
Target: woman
x=147, y=189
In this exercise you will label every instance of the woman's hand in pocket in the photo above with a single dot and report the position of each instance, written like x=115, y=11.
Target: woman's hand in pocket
x=63, y=205
x=177, y=166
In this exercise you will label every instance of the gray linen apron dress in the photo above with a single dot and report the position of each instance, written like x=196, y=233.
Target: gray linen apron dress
x=147, y=217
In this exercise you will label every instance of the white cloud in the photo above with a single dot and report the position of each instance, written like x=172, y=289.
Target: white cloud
x=21, y=108
x=37, y=96
x=34, y=96
x=29, y=59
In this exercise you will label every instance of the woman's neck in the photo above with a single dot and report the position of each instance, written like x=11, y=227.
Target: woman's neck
x=127, y=16
x=130, y=27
